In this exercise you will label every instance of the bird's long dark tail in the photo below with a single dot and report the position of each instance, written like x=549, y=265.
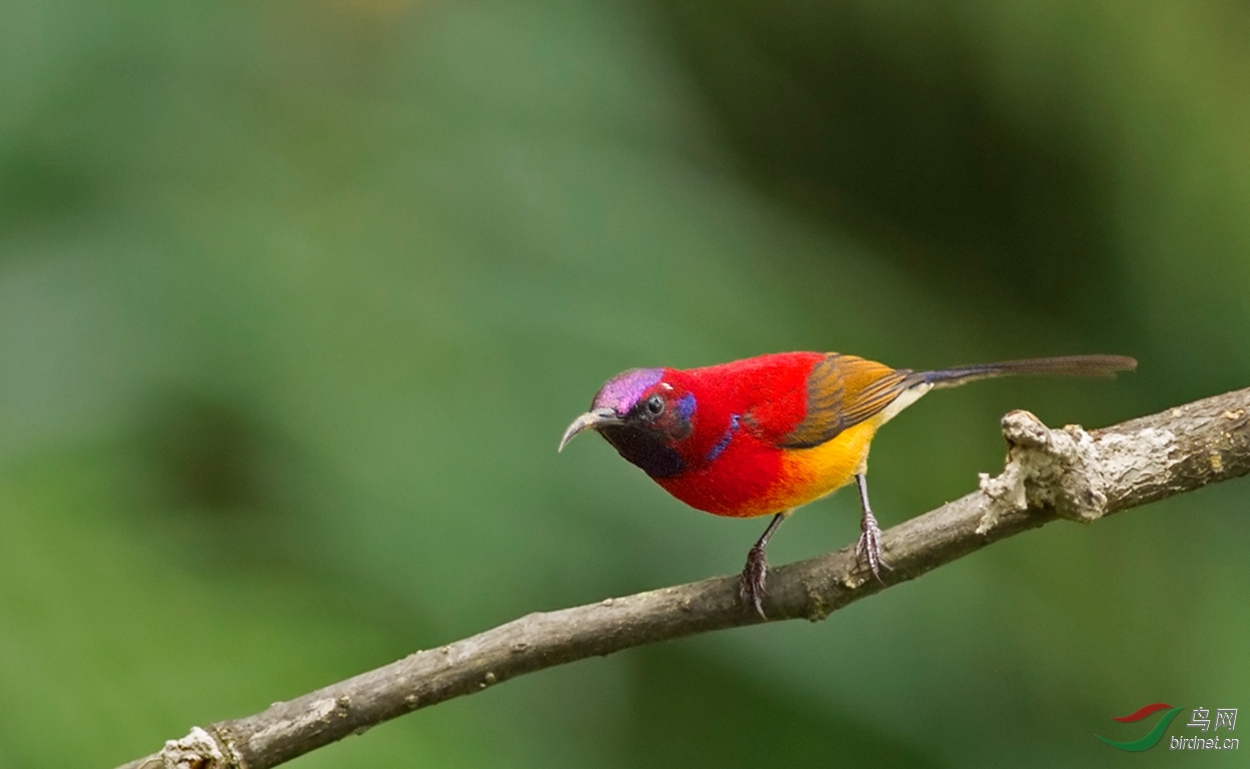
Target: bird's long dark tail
x=1071, y=365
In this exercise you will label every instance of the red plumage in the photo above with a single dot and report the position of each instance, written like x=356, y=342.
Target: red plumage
x=768, y=396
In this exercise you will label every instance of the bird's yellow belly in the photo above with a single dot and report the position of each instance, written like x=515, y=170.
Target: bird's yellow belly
x=809, y=474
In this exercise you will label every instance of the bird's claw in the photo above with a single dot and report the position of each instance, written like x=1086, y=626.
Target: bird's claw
x=868, y=548
x=751, y=585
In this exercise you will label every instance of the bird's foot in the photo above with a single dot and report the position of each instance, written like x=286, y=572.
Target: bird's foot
x=751, y=585
x=868, y=548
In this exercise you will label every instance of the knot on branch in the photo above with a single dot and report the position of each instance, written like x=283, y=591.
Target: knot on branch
x=198, y=750
x=1059, y=470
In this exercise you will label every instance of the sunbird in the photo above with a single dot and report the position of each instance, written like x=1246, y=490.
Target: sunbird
x=766, y=435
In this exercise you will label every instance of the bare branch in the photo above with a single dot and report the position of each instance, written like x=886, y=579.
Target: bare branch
x=1050, y=474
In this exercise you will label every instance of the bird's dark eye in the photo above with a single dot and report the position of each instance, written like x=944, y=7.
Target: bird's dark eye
x=655, y=405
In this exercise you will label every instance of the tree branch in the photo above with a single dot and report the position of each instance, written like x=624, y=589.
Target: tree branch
x=1049, y=474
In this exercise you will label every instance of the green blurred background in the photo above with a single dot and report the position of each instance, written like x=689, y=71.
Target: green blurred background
x=296, y=299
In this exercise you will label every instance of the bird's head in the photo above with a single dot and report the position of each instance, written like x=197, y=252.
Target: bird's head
x=643, y=417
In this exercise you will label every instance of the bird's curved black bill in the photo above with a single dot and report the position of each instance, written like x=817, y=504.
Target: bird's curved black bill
x=591, y=420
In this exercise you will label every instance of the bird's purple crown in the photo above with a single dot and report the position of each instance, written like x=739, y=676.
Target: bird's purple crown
x=623, y=390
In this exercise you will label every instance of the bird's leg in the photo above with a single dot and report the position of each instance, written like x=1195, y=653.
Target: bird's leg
x=751, y=586
x=868, y=548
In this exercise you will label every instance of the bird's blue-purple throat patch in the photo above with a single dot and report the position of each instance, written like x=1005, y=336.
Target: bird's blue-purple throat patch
x=686, y=406
x=623, y=390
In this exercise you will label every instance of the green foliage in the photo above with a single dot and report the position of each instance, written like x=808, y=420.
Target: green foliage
x=296, y=299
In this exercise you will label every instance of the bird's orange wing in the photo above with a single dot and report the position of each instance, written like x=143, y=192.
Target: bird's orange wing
x=844, y=390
